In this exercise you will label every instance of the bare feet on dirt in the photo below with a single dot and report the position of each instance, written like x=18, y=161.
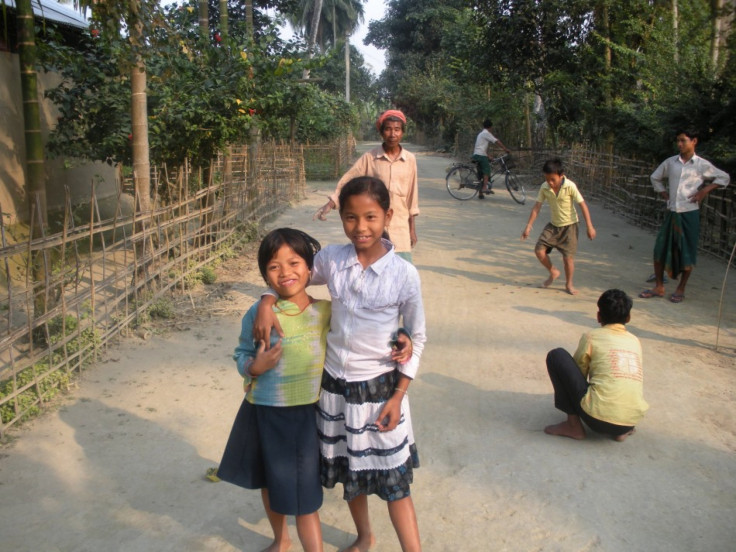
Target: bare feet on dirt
x=361, y=545
x=566, y=429
x=553, y=275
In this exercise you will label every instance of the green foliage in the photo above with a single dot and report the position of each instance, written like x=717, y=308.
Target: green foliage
x=207, y=275
x=601, y=72
x=162, y=308
x=203, y=92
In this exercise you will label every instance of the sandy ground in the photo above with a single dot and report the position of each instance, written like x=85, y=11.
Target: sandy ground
x=119, y=465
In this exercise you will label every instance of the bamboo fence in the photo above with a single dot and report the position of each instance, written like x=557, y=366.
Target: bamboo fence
x=68, y=294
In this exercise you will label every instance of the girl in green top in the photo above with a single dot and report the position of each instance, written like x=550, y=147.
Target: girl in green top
x=273, y=445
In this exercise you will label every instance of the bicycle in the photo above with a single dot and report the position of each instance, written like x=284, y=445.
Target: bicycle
x=464, y=180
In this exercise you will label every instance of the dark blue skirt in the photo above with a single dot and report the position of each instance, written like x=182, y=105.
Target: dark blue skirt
x=276, y=448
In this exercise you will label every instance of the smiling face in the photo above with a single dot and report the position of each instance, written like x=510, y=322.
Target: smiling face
x=392, y=132
x=364, y=221
x=288, y=274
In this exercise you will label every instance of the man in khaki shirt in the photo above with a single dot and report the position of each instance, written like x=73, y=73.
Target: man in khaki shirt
x=397, y=168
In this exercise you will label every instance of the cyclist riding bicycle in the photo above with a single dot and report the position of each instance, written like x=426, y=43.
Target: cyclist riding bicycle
x=480, y=154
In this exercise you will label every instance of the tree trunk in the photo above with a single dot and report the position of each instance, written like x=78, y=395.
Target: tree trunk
x=722, y=13
x=204, y=18
x=249, y=19
x=347, y=67
x=314, y=29
x=223, y=19
x=35, y=168
x=139, y=114
x=676, y=30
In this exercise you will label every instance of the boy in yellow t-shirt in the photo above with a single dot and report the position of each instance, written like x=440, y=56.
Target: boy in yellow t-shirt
x=562, y=232
x=602, y=385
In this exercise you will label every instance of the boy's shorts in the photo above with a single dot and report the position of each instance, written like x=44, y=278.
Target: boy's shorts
x=562, y=238
x=485, y=164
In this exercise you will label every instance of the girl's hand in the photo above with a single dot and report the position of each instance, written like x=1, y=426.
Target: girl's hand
x=402, y=350
x=591, y=233
x=390, y=414
x=265, y=359
x=265, y=320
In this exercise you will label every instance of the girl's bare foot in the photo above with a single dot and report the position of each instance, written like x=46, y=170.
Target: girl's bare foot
x=282, y=546
x=571, y=290
x=553, y=275
x=361, y=544
x=621, y=438
x=566, y=429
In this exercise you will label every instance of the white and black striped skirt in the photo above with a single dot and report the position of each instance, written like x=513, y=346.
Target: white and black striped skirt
x=352, y=449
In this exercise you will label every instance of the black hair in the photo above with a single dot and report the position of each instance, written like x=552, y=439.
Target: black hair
x=553, y=166
x=394, y=119
x=614, y=307
x=690, y=132
x=302, y=243
x=368, y=185
x=487, y=123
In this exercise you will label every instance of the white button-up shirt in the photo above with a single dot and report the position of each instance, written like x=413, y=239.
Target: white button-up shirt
x=683, y=179
x=367, y=305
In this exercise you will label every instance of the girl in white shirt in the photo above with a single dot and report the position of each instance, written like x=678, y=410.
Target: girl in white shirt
x=363, y=418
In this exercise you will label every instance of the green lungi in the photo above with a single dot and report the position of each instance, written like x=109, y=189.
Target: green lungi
x=676, y=246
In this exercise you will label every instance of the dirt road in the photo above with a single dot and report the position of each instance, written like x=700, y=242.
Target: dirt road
x=119, y=466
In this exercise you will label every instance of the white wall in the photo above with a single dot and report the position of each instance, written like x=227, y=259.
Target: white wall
x=79, y=178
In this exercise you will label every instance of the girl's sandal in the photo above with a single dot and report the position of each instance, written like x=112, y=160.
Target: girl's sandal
x=212, y=475
x=677, y=298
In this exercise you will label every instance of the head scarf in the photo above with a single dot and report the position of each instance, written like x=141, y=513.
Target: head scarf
x=390, y=113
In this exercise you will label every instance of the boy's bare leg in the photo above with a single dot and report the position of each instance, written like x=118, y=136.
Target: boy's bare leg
x=684, y=277
x=359, y=510
x=569, y=264
x=572, y=427
x=658, y=288
x=281, y=539
x=404, y=519
x=547, y=263
x=310, y=532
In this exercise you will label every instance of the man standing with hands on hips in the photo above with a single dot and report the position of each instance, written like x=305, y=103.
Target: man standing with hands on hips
x=684, y=180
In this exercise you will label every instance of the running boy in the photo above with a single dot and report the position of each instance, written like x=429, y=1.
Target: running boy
x=602, y=385
x=562, y=232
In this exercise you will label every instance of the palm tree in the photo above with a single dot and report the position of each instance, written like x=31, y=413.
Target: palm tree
x=327, y=21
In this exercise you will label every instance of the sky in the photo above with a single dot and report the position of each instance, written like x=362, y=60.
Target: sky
x=375, y=59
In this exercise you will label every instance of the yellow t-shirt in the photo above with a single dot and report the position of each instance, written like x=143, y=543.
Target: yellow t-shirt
x=561, y=205
x=610, y=359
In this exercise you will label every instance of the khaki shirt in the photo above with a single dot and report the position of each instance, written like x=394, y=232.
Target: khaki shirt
x=400, y=177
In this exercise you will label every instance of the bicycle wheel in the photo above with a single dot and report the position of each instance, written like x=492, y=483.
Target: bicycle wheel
x=515, y=188
x=462, y=183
